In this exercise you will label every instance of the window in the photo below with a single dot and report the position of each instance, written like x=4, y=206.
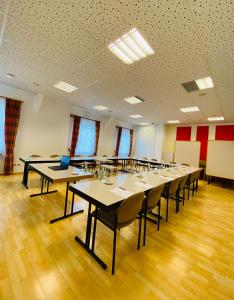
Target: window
x=124, y=146
x=87, y=138
x=2, y=125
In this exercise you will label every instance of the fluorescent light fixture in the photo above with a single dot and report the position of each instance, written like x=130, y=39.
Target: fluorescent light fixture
x=173, y=122
x=131, y=47
x=143, y=124
x=204, y=83
x=100, y=107
x=189, y=109
x=135, y=116
x=134, y=100
x=8, y=75
x=215, y=118
x=66, y=87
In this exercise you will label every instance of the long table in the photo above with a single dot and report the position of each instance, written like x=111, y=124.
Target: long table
x=109, y=196
x=39, y=160
x=51, y=176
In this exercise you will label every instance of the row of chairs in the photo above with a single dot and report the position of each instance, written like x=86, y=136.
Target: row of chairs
x=141, y=206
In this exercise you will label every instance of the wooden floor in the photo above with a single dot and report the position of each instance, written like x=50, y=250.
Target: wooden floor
x=191, y=257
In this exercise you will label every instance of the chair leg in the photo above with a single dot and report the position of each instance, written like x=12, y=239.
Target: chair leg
x=94, y=231
x=159, y=212
x=114, y=253
x=139, y=232
x=167, y=209
x=145, y=215
x=183, y=195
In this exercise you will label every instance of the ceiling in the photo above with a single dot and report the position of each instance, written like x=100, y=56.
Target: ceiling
x=48, y=41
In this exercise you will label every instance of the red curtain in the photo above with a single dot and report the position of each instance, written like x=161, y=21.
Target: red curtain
x=202, y=136
x=224, y=132
x=118, y=141
x=97, y=136
x=131, y=140
x=183, y=133
x=12, y=116
x=75, y=133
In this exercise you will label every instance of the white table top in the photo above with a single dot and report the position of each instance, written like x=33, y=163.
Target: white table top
x=70, y=174
x=102, y=193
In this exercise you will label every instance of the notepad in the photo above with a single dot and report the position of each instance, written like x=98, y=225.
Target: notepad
x=144, y=185
x=121, y=192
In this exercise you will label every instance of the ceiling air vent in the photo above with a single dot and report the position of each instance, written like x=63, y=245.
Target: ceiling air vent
x=190, y=86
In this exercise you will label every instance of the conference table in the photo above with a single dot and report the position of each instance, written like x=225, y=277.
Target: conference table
x=108, y=196
x=51, y=176
x=43, y=160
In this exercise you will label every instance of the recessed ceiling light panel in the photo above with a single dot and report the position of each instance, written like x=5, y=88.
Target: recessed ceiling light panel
x=100, y=107
x=143, y=124
x=66, y=87
x=215, y=118
x=205, y=83
x=134, y=100
x=189, y=109
x=131, y=47
x=135, y=116
x=173, y=122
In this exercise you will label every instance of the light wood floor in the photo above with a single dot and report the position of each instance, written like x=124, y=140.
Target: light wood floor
x=191, y=257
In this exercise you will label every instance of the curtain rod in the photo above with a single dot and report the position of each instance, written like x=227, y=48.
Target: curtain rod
x=10, y=98
x=72, y=115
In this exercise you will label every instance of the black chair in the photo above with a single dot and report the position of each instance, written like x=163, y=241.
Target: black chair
x=171, y=191
x=152, y=200
x=118, y=218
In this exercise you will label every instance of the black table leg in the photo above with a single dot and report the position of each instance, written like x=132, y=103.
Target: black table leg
x=25, y=175
x=42, y=189
x=86, y=244
x=72, y=213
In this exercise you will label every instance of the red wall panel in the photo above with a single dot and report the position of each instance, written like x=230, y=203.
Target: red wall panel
x=224, y=132
x=202, y=136
x=183, y=133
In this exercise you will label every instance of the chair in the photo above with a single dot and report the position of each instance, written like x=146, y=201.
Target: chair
x=142, y=164
x=35, y=156
x=152, y=200
x=54, y=155
x=185, y=164
x=118, y=218
x=190, y=183
x=154, y=166
x=171, y=191
x=182, y=186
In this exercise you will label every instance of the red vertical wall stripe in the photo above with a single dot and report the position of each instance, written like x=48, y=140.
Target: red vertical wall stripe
x=224, y=132
x=183, y=133
x=202, y=136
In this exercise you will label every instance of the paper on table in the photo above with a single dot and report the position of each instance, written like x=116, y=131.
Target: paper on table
x=166, y=177
x=144, y=185
x=122, y=192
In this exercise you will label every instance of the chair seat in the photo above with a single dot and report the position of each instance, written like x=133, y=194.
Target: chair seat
x=108, y=218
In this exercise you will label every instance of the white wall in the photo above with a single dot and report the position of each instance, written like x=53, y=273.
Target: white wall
x=48, y=131
x=148, y=141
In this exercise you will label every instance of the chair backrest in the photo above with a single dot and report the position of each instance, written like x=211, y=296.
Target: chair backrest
x=145, y=158
x=54, y=155
x=173, y=186
x=129, y=209
x=185, y=164
x=153, y=159
x=192, y=177
x=35, y=155
x=172, y=162
x=197, y=174
x=154, y=196
x=183, y=181
x=104, y=155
